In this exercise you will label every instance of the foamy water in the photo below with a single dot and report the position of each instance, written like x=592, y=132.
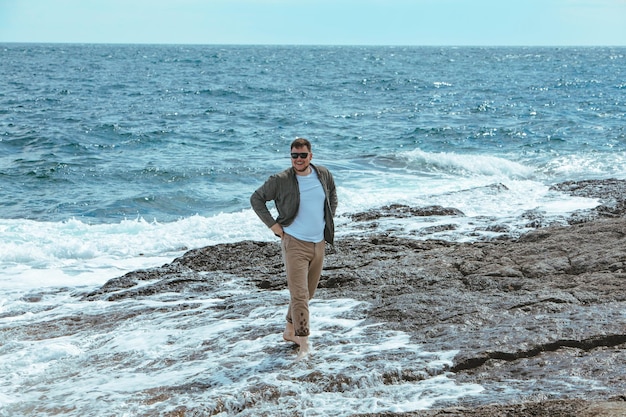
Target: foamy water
x=220, y=354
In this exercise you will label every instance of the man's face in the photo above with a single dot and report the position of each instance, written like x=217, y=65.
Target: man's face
x=301, y=165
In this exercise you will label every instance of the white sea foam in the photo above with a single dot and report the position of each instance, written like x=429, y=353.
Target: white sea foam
x=230, y=361
x=467, y=164
x=40, y=254
x=587, y=166
x=492, y=193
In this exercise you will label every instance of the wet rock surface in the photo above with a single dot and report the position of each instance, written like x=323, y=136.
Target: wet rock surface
x=538, y=321
x=555, y=408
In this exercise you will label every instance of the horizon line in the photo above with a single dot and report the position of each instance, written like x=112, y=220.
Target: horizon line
x=321, y=44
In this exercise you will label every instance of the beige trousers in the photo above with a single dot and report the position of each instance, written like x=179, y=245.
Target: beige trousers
x=303, y=265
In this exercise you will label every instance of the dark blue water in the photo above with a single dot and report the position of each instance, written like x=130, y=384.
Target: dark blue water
x=107, y=132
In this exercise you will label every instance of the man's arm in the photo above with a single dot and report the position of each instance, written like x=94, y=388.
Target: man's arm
x=333, y=196
x=259, y=200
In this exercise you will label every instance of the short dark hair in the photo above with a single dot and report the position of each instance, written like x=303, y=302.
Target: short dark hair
x=301, y=143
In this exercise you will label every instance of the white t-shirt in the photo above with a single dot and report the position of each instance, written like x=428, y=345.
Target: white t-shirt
x=309, y=222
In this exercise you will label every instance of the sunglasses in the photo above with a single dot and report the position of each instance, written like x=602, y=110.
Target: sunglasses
x=303, y=155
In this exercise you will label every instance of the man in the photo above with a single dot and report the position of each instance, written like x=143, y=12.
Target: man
x=306, y=199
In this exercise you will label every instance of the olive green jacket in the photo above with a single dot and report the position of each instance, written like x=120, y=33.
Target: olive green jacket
x=282, y=188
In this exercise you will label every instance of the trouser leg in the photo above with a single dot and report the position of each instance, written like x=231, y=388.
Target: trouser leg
x=303, y=264
x=315, y=267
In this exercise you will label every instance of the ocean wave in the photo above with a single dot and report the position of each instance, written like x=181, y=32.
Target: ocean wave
x=78, y=246
x=466, y=164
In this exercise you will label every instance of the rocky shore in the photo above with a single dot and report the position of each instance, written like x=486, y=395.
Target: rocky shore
x=542, y=314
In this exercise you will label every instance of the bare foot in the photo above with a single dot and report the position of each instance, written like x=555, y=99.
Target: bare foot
x=304, y=347
x=289, y=335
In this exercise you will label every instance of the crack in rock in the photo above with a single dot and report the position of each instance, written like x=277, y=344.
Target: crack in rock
x=586, y=344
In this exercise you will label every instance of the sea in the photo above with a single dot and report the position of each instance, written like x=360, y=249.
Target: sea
x=115, y=158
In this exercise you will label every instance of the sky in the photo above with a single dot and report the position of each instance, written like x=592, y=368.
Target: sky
x=318, y=22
